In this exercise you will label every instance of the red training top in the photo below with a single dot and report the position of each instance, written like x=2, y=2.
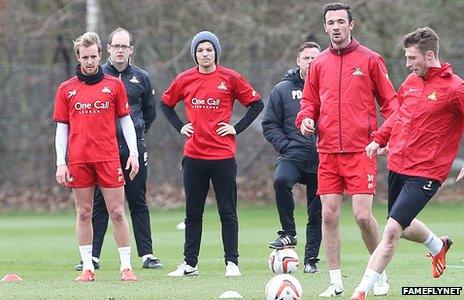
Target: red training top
x=209, y=100
x=340, y=95
x=91, y=111
x=424, y=133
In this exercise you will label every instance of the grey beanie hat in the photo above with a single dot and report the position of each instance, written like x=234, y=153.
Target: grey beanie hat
x=205, y=36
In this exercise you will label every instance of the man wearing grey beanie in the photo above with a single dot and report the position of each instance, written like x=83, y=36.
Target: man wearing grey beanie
x=209, y=91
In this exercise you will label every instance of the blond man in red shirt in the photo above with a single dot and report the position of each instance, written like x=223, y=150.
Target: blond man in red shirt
x=86, y=108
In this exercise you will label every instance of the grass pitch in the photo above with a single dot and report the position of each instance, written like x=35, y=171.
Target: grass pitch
x=42, y=249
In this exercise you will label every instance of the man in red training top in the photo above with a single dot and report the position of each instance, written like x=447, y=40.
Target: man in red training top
x=208, y=91
x=423, y=137
x=339, y=96
x=86, y=109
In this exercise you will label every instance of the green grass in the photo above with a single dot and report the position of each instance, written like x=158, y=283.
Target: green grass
x=42, y=249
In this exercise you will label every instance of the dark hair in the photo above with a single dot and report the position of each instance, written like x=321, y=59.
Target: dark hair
x=308, y=45
x=119, y=29
x=424, y=39
x=338, y=6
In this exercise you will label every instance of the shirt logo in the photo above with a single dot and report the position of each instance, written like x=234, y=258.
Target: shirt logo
x=222, y=86
x=205, y=103
x=91, y=108
x=432, y=96
x=71, y=93
x=134, y=79
x=106, y=90
x=297, y=94
x=253, y=93
x=358, y=72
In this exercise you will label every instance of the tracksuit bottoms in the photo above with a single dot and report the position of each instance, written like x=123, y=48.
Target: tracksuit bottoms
x=197, y=175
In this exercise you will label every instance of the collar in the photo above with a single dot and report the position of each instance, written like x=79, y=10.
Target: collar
x=299, y=73
x=443, y=71
x=116, y=71
x=92, y=79
x=350, y=48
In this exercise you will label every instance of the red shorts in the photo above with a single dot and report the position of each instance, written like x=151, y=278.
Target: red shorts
x=107, y=174
x=353, y=173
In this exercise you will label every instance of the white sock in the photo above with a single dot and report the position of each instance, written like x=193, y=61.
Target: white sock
x=336, y=277
x=369, y=278
x=433, y=243
x=147, y=256
x=124, y=257
x=86, y=256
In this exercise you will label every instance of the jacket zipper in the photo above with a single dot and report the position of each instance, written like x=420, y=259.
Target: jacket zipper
x=340, y=102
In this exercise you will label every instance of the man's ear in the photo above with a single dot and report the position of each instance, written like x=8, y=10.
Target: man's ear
x=352, y=24
x=429, y=55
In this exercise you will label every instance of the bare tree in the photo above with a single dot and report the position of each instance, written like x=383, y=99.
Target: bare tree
x=93, y=13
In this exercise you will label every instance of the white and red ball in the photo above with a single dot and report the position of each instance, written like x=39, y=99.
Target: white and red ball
x=283, y=261
x=283, y=287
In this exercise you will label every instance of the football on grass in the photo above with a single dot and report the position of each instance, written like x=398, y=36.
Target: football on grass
x=283, y=287
x=283, y=261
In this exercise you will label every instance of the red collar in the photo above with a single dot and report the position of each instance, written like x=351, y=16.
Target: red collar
x=350, y=48
x=444, y=70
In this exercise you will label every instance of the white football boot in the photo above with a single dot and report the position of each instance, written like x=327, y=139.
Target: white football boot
x=232, y=270
x=381, y=286
x=332, y=291
x=184, y=270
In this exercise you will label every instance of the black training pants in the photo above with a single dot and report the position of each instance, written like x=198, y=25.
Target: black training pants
x=287, y=174
x=197, y=174
x=135, y=191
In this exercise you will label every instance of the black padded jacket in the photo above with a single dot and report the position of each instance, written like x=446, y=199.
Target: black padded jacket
x=279, y=123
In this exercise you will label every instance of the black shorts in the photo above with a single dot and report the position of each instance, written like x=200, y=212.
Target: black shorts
x=408, y=195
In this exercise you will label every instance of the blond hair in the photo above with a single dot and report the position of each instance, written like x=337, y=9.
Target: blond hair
x=86, y=40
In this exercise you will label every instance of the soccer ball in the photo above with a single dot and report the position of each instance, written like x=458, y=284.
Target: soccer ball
x=283, y=287
x=283, y=261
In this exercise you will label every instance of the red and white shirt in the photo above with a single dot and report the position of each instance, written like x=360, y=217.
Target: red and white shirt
x=209, y=100
x=91, y=112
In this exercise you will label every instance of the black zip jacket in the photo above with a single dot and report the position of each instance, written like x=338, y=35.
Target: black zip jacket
x=279, y=123
x=141, y=98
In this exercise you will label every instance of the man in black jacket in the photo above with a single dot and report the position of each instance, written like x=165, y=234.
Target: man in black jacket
x=297, y=161
x=141, y=99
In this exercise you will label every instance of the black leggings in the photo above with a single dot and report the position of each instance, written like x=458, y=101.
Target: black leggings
x=287, y=174
x=197, y=174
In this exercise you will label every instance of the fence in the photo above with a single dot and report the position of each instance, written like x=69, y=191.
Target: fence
x=27, y=144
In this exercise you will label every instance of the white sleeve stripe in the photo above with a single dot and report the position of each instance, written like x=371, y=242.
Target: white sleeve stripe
x=130, y=136
x=61, y=143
